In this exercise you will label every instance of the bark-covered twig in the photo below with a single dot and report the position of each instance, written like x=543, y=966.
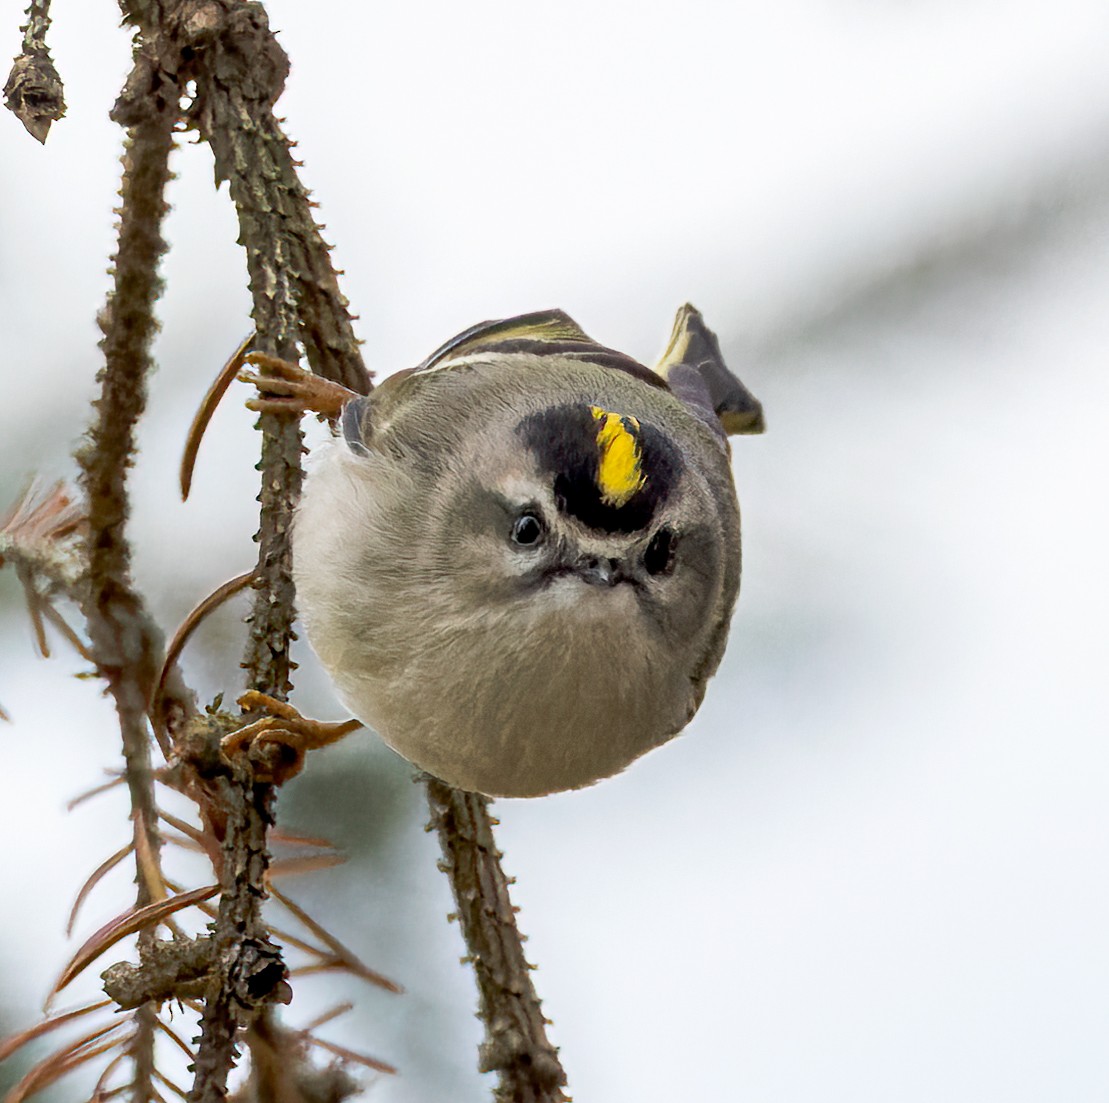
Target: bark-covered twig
x=241, y=76
x=33, y=91
x=250, y=969
x=125, y=644
x=516, y=1045
x=166, y=971
x=239, y=71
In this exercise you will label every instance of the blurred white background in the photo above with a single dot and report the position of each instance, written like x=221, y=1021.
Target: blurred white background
x=875, y=866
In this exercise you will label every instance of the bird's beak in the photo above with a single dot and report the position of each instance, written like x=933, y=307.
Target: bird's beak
x=600, y=571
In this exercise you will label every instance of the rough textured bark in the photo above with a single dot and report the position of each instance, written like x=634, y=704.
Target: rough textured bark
x=516, y=1045
x=239, y=72
x=33, y=91
x=125, y=644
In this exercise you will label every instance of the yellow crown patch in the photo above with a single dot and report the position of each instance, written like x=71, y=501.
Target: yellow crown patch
x=620, y=471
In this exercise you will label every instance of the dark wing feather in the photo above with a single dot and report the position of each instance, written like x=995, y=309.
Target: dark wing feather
x=544, y=333
x=694, y=367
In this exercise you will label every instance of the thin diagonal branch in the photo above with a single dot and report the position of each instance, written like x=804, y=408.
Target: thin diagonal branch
x=516, y=1045
x=126, y=645
x=241, y=78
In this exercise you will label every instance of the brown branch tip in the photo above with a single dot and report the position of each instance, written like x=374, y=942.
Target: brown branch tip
x=33, y=91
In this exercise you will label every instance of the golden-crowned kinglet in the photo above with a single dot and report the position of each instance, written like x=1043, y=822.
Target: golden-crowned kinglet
x=518, y=561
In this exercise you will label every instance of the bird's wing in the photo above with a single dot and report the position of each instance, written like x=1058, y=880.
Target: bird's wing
x=692, y=366
x=544, y=333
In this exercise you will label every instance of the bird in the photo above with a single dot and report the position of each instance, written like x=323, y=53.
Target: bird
x=518, y=561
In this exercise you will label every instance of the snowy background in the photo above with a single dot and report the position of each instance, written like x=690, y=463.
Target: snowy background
x=875, y=867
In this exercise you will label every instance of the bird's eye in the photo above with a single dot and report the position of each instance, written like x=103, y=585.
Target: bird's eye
x=527, y=529
x=659, y=555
